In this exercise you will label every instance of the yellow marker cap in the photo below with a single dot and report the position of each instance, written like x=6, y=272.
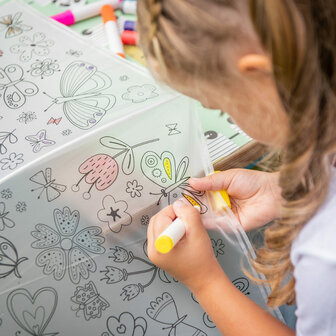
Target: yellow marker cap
x=164, y=244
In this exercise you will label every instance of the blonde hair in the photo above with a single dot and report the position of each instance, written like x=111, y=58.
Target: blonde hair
x=300, y=37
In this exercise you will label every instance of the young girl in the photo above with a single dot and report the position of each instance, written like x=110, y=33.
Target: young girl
x=272, y=65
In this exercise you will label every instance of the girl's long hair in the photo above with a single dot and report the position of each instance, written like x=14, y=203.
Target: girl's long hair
x=300, y=37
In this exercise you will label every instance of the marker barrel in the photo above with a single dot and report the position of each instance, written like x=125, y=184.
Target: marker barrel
x=129, y=25
x=128, y=7
x=70, y=17
x=171, y=235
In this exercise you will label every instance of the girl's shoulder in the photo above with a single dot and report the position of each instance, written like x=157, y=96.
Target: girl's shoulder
x=317, y=238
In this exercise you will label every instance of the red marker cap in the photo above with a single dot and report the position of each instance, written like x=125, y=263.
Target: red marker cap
x=129, y=37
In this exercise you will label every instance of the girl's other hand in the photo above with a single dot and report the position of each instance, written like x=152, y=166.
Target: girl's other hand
x=192, y=261
x=255, y=196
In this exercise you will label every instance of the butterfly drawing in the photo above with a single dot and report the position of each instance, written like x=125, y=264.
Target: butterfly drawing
x=89, y=301
x=164, y=310
x=33, y=312
x=81, y=88
x=13, y=25
x=46, y=183
x=39, y=140
x=54, y=121
x=162, y=171
x=4, y=220
x=7, y=136
x=14, y=88
x=9, y=259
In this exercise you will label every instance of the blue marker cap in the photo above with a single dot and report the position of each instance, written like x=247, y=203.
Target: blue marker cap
x=129, y=25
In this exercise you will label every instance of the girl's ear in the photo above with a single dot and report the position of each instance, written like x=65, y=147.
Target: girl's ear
x=254, y=62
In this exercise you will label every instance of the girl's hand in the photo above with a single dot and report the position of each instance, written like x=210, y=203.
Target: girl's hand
x=255, y=196
x=192, y=261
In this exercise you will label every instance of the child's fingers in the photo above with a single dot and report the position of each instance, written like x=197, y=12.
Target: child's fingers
x=190, y=216
x=218, y=181
x=158, y=223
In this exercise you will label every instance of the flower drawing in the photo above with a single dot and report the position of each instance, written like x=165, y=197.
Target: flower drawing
x=30, y=46
x=26, y=117
x=133, y=188
x=114, y=214
x=145, y=220
x=138, y=94
x=6, y=193
x=66, y=248
x=21, y=206
x=44, y=68
x=218, y=246
x=12, y=161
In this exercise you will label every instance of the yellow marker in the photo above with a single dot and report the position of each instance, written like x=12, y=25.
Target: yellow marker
x=224, y=195
x=171, y=235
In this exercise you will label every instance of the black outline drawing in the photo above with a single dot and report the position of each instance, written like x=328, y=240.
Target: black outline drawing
x=12, y=161
x=15, y=87
x=66, y=132
x=164, y=311
x=56, y=121
x=39, y=140
x=218, y=246
x=53, y=190
x=162, y=171
x=45, y=68
x=210, y=135
x=172, y=129
x=114, y=213
x=145, y=220
x=75, y=53
x=114, y=274
x=88, y=301
x=81, y=87
x=242, y=284
x=21, y=206
x=4, y=136
x=65, y=248
x=128, y=163
x=36, y=45
x=40, y=313
x=13, y=25
x=9, y=259
x=125, y=324
x=133, y=188
x=140, y=93
x=101, y=170
x=26, y=117
x=123, y=78
x=6, y=193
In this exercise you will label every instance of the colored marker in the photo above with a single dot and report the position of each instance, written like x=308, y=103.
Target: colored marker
x=74, y=15
x=125, y=24
x=171, y=235
x=111, y=29
x=129, y=37
x=128, y=7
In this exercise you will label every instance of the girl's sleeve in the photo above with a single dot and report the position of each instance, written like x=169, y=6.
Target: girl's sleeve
x=315, y=295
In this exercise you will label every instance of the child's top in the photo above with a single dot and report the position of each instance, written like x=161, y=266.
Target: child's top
x=313, y=255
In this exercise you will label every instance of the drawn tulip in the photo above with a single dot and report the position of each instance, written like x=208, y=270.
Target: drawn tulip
x=131, y=291
x=114, y=274
x=101, y=170
x=121, y=255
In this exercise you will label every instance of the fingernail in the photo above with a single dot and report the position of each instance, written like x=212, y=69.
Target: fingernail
x=195, y=179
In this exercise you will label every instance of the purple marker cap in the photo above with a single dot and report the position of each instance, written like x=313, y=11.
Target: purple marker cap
x=129, y=25
x=67, y=18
